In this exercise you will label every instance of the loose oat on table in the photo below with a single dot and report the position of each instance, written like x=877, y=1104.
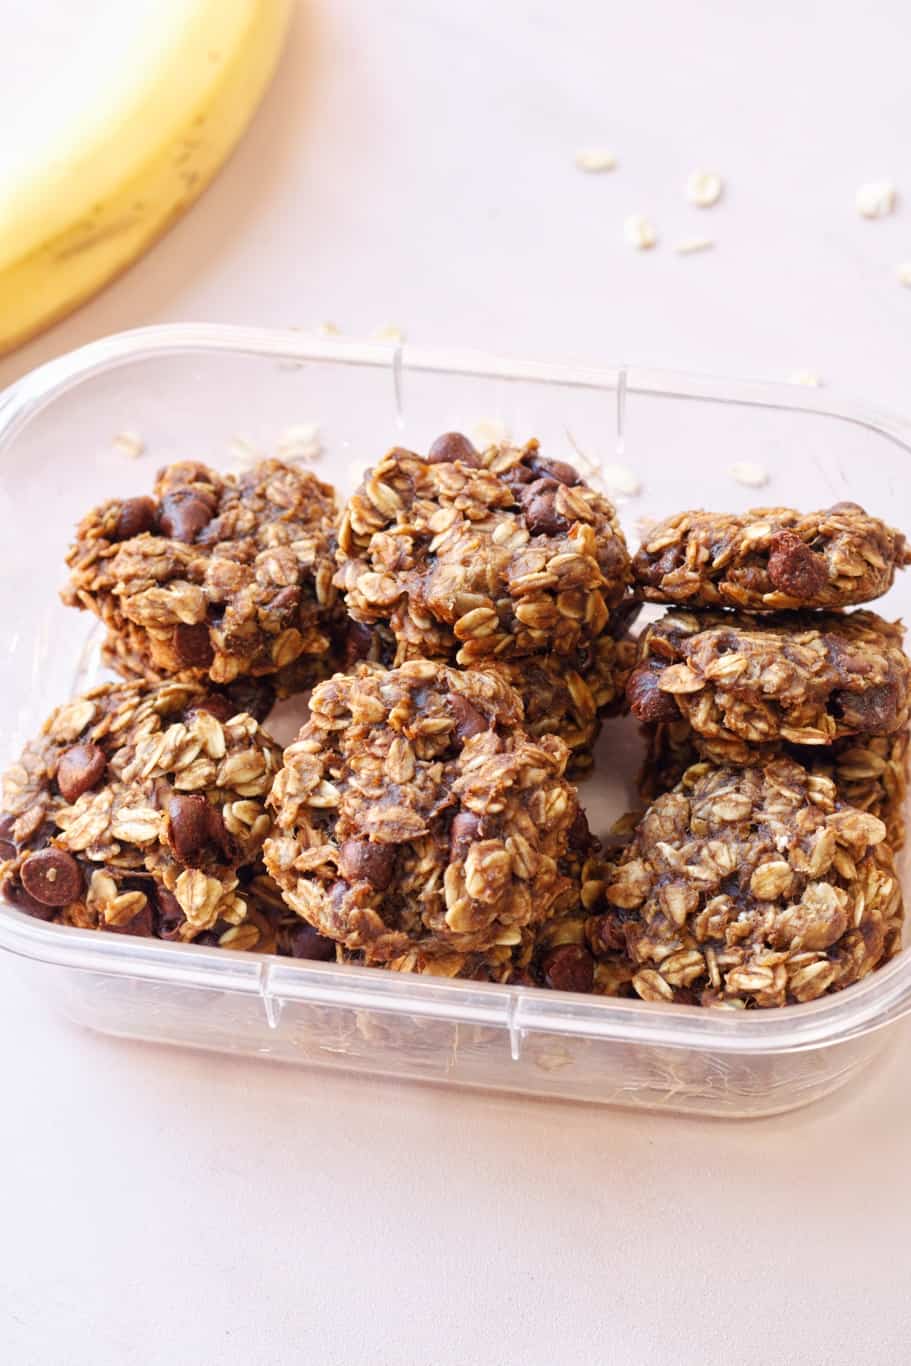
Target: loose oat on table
x=564, y=696
x=808, y=678
x=751, y=887
x=140, y=809
x=469, y=556
x=414, y=814
x=767, y=559
x=216, y=576
x=870, y=772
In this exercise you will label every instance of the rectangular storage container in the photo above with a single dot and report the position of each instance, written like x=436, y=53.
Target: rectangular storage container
x=205, y=393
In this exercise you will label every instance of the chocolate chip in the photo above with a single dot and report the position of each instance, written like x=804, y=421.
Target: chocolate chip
x=184, y=514
x=256, y=696
x=362, y=860
x=136, y=516
x=285, y=602
x=651, y=571
x=218, y=831
x=469, y=720
x=79, y=768
x=452, y=446
x=540, y=508
x=193, y=646
x=358, y=643
x=794, y=568
x=140, y=927
x=555, y=469
x=606, y=934
x=875, y=710
x=169, y=916
x=646, y=700
x=462, y=833
x=188, y=819
x=217, y=705
x=569, y=967
x=7, y=843
x=306, y=942
x=208, y=938
x=580, y=836
x=14, y=892
x=52, y=876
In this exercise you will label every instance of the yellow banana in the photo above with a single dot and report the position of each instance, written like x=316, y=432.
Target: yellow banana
x=80, y=206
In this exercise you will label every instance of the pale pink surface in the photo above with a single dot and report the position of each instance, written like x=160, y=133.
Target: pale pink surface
x=413, y=165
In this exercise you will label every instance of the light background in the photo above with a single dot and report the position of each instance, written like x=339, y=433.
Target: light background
x=413, y=165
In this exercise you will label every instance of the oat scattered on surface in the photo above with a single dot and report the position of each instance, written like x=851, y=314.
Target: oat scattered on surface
x=703, y=188
x=300, y=443
x=595, y=159
x=244, y=451
x=808, y=378
x=904, y=274
x=639, y=232
x=129, y=444
x=490, y=431
x=691, y=245
x=620, y=479
x=329, y=330
x=745, y=472
x=876, y=199
x=389, y=333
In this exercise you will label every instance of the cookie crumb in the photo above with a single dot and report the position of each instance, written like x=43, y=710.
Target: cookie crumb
x=639, y=232
x=754, y=476
x=595, y=159
x=703, y=188
x=129, y=444
x=876, y=199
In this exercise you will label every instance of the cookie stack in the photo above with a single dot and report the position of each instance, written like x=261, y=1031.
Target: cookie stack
x=760, y=691
x=465, y=620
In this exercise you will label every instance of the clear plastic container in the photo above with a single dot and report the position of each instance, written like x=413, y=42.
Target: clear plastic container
x=191, y=391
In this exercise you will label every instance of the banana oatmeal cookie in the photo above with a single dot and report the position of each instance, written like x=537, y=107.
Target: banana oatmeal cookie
x=469, y=556
x=140, y=809
x=770, y=558
x=869, y=771
x=808, y=678
x=564, y=696
x=214, y=577
x=751, y=887
x=414, y=813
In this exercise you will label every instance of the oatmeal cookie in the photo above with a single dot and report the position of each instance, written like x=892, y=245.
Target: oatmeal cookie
x=140, y=809
x=469, y=556
x=413, y=812
x=870, y=772
x=807, y=678
x=752, y=887
x=770, y=558
x=565, y=696
x=215, y=577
